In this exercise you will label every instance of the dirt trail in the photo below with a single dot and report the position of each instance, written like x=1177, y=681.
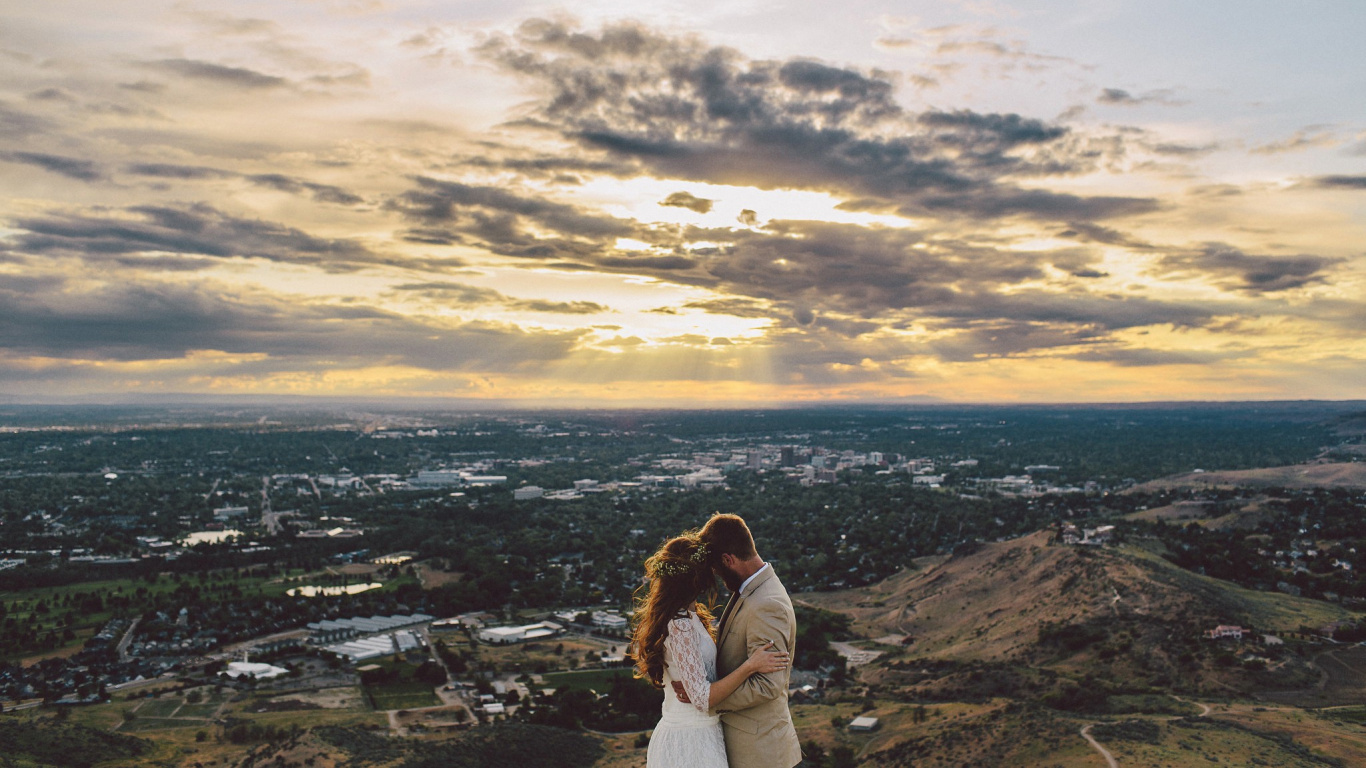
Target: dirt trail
x=1105, y=753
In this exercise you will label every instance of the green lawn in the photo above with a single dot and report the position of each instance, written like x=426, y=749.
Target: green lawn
x=599, y=680
x=405, y=695
x=158, y=708
x=197, y=710
x=158, y=724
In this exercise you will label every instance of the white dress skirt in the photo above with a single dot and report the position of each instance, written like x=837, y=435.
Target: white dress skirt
x=688, y=735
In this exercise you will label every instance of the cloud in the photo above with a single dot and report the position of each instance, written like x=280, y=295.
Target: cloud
x=689, y=201
x=176, y=171
x=18, y=124
x=504, y=222
x=461, y=294
x=1340, y=182
x=748, y=218
x=558, y=307
x=682, y=110
x=1306, y=138
x=70, y=167
x=1133, y=357
x=324, y=193
x=237, y=77
x=1098, y=234
x=453, y=293
x=1120, y=97
x=130, y=320
x=192, y=230
x=1230, y=267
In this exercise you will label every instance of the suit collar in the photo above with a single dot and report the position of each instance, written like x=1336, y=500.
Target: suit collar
x=762, y=576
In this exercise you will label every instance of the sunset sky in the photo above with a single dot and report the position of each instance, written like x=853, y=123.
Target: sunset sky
x=706, y=203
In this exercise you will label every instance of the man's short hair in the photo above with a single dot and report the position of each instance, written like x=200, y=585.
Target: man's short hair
x=728, y=535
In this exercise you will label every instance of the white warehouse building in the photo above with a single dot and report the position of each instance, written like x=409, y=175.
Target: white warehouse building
x=507, y=635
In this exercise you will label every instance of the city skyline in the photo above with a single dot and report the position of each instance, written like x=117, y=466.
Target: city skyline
x=683, y=204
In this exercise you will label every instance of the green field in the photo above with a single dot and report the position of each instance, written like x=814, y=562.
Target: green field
x=159, y=708
x=410, y=694
x=599, y=680
x=198, y=710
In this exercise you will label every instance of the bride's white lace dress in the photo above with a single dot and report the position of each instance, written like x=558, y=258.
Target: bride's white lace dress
x=687, y=735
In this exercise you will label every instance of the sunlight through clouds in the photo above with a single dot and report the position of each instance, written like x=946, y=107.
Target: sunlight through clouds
x=670, y=203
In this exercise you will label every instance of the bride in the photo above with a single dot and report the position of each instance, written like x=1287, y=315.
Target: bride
x=673, y=640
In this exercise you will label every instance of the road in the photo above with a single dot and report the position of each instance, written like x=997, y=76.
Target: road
x=127, y=640
x=269, y=519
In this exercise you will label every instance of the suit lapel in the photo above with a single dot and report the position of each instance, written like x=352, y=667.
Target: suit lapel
x=736, y=600
x=726, y=617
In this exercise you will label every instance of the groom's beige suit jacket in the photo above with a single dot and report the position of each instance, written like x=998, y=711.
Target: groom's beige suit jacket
x=758, y=726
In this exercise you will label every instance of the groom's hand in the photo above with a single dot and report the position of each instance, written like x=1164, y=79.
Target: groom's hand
x=682, y=694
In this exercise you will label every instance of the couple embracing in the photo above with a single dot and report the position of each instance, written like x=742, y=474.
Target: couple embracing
x=725, y=683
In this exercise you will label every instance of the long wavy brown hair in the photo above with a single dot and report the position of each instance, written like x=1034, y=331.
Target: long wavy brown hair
x=678, y=579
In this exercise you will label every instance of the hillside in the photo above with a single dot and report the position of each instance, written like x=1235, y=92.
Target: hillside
x=988, y=605
x=1317, y=475
x=1123, y=612
x=1027, y=653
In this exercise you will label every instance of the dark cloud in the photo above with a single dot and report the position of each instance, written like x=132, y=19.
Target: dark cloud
x=748, y=218
x=1340, y=182
x=1099, y=234
x=1004, y=339
x=646, y=263
x=238, y=77
x=558, y=307
x=504, y=220
x=1122, y=97
x=18, y=124
x=734, y=306
x=148, y=321
x=194, y=230
x=324, y=193
x=461, y=294
x=175, y=171
x=70, y=167
x=453, y=293
x=51, y=94
x=689, y=201
x=1230, y=267
x=682, y=110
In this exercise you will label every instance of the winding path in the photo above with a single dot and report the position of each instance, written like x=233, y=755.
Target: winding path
x=1105, y=753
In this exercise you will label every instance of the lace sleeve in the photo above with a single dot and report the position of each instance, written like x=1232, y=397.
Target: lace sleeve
x=691, y=670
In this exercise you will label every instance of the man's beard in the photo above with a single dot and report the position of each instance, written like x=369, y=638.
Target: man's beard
x=730, y=578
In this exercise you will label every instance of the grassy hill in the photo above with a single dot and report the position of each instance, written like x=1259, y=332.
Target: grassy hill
x=1002, y=656
x=1028, y=618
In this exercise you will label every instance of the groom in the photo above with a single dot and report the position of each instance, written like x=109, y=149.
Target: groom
x=757, y=724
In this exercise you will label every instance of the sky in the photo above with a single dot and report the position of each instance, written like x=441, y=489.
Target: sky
x=683, y=204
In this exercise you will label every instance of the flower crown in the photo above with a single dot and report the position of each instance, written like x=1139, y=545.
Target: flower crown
x=698, y=557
